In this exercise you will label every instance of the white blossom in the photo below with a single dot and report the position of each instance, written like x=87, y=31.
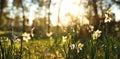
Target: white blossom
x=64, y=38
x=79, y=47
x=96, y=34
x=49, y=34
x=90, y=28
x=72, y=46
x=108, y=11
x=26, y=36
x=107, y=18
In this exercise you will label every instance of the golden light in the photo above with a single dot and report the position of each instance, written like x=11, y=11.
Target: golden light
x=67, y=6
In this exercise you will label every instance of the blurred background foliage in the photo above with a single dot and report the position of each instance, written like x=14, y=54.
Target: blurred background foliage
x=14, y=17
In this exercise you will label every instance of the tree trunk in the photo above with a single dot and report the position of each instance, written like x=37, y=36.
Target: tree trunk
x=96, y=17
x=1, y=10
x=49, y=16
x=95, y=7
x=24, y=28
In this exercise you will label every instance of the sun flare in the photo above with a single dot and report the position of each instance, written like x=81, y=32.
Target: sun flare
x=67, y=7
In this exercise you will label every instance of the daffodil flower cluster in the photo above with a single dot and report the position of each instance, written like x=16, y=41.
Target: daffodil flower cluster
x=96, y=34
x=107, y=17
x=78, y=46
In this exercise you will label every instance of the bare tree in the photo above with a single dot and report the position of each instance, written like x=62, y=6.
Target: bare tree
x=49, y=3
x=23, y=15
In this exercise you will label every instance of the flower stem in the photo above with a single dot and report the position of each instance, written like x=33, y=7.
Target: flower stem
x=21, y=49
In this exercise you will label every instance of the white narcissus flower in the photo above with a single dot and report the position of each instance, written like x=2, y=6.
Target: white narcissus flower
x=26, y=36
x=96, y=34
x=90, y=28
x=64, y=38
x=108, y=11
x=107, y=18
x=79, y=47
x=32, y=34
x=72, y=46
x=49, y=34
